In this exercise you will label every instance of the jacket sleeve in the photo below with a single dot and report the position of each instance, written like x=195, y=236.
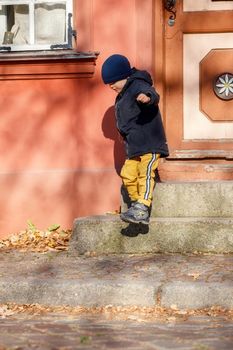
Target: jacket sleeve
x=147, y=89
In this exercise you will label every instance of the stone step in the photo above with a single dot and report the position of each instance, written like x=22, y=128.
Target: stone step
x=61, y=279
x=108, y=234
x=193, y=199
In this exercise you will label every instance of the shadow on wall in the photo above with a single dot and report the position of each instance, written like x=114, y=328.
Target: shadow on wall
x=110, y=132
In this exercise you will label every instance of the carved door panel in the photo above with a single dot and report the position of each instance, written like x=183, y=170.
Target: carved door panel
x=197, y=89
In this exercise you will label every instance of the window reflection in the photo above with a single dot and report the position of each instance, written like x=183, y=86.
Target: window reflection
x=50, y=23
x=46, y=25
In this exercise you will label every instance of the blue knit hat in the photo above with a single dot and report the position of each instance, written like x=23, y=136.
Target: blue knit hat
x=116, y=67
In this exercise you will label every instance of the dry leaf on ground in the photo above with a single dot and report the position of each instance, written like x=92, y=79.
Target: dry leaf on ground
x=140, y=314
x=37, y=240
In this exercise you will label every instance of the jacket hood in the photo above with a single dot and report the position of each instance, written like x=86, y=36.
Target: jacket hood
x=140, y=74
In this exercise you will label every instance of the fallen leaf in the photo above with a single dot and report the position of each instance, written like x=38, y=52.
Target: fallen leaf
x=37, y=240
x=195, y=275
x=114, y=212
x=4, y=312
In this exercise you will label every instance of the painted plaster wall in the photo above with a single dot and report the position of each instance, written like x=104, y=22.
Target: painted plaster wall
x=59, y=149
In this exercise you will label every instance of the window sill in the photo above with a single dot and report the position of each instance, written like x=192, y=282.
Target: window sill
x=60, y=64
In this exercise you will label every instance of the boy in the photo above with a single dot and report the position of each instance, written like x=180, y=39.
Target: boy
x=139, y=123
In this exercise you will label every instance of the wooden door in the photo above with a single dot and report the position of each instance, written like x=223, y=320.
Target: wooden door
x=194, y=74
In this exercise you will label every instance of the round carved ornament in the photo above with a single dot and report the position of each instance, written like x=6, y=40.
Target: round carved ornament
x=223, y=86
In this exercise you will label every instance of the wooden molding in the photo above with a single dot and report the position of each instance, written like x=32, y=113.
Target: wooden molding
x=201, y=154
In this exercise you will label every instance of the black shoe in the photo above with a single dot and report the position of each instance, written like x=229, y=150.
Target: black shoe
x=137, y=214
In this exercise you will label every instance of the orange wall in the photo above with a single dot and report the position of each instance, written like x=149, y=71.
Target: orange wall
x=59, y=149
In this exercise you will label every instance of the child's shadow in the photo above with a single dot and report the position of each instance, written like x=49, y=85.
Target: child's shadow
x=110, y=131
x=133, y=230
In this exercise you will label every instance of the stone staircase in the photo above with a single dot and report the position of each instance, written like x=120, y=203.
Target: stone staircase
x=185, y=218
x=113, y=263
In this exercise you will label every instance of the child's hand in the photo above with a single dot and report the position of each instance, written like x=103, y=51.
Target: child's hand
x=143, y=98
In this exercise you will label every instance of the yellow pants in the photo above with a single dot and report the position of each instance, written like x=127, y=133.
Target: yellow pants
x=138, y=176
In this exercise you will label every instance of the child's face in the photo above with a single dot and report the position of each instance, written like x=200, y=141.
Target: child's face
x=118, y=85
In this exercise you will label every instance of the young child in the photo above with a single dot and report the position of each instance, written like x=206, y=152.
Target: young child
x=139, y=122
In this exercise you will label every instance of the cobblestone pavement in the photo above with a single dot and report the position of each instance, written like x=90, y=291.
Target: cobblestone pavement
x=56, y=332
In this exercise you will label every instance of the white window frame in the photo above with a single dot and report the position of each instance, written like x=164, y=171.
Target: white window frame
x=31, y=45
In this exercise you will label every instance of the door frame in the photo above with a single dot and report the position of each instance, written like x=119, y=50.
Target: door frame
x=166, y=77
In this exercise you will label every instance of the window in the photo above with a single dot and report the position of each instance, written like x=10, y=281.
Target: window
x=35, y=25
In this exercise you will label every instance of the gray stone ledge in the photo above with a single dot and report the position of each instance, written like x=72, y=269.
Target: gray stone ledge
x=108, y=234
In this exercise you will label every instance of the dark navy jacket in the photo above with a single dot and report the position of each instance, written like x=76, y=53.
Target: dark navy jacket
x=140, y=124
